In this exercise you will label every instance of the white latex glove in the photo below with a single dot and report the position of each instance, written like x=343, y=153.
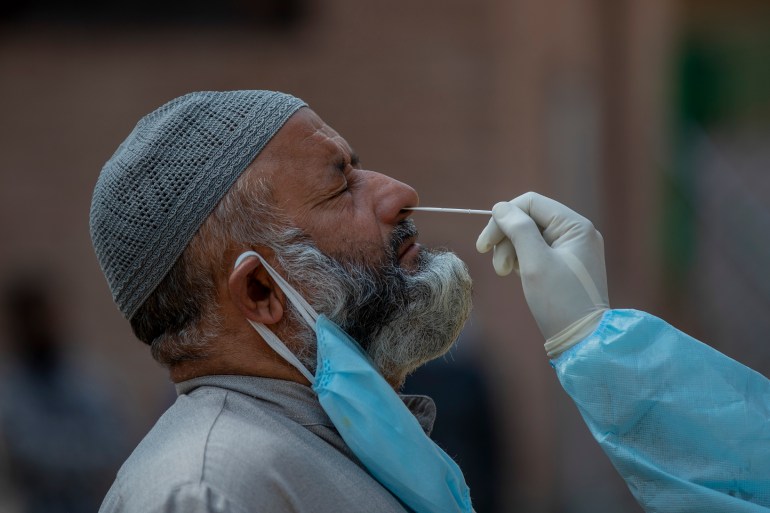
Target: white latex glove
x=560, y=258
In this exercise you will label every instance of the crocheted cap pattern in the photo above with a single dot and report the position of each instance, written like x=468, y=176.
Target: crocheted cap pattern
x=165, y=179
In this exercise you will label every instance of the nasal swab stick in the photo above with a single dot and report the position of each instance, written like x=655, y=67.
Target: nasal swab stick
x=452, y=210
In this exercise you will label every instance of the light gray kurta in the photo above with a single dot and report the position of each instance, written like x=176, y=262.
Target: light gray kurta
x=247, y=444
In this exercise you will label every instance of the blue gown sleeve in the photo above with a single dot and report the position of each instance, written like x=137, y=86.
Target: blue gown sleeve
x=687, y=427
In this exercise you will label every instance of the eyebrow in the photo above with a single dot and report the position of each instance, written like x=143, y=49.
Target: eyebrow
x=355, y=160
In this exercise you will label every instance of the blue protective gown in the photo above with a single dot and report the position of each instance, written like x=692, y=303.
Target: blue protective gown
x=687, y=427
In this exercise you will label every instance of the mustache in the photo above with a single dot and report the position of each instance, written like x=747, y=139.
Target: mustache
x=403, y=231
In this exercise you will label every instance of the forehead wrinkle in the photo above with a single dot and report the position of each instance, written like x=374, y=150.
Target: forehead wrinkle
x=329, y=144
x=321, y=135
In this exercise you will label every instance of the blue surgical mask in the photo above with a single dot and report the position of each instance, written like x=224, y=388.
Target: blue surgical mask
x=374, y=422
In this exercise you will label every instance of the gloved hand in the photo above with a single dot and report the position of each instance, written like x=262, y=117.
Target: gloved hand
x=560, y=258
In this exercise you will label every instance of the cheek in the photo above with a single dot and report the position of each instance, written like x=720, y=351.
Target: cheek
x=360, y=240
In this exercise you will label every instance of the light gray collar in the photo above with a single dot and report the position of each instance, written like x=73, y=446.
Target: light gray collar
x=296, y=401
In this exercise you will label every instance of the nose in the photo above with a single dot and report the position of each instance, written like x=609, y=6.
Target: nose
x=391, y=197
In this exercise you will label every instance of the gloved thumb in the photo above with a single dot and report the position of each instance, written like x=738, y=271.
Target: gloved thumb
x=522, y=232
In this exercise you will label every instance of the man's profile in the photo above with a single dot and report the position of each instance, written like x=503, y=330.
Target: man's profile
x=209, y=177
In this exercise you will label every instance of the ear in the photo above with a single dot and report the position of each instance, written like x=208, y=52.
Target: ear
x=254, y=292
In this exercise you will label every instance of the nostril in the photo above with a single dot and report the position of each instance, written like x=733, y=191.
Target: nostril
x=405, y=213
x=392, y=198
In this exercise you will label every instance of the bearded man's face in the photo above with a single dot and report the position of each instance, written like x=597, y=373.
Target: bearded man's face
x=352, y=250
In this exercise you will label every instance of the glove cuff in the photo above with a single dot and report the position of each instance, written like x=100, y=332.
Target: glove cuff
x=573, y=333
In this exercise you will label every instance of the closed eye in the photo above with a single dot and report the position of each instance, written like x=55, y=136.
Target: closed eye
x=343, y=166
x=354, y=162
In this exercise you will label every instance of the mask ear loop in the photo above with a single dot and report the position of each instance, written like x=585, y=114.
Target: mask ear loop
x=305, y=310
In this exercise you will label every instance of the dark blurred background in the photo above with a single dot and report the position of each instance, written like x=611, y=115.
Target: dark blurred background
x=650, y=117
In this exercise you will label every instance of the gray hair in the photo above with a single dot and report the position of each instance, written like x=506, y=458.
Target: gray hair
x=181, y=318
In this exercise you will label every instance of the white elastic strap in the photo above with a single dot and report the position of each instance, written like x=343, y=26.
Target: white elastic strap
x=279, y=347
x=306, y=311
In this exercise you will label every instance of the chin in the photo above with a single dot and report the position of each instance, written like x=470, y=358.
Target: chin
x=432, y=321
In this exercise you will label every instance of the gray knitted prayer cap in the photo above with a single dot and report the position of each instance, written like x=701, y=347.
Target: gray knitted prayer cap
x=166, y=178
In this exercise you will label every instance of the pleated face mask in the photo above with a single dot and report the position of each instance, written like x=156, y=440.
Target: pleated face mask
x=369, y=415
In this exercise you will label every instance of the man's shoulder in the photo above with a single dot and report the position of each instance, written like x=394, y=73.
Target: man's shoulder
x=171, y=456
x=212, y=431
x=222, y=446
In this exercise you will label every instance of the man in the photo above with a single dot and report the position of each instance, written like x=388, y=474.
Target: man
x=210, y=203
x=687, y=427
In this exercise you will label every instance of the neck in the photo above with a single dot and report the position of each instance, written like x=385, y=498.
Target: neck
x=236, y=357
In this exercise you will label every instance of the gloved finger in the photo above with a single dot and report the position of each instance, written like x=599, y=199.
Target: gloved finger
x=554, y=218
x=489, y=237
x=522, y=231
x=504, y=258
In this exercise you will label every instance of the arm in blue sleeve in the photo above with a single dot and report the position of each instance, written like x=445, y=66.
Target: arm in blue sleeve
x=687, y=427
